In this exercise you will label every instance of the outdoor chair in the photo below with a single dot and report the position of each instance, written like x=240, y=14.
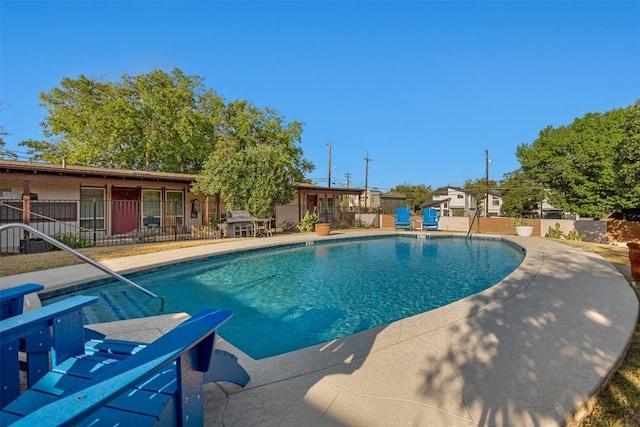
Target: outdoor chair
x=151, y=222
x=111, y=381
x=429, y=219
x=12, y=299
x=402, y=218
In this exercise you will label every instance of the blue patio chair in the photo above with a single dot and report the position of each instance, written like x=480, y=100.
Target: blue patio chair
x=37, y=346
x=151, y=222
x=112, y=381
x=12, y=299
x=402, y=219
x=429, y=219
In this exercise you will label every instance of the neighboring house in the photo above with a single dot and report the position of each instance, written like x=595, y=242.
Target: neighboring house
x=327, y=202
x=390, y=201
x=548, y=211
x=109, y=201
x=366, y=201
x=495, y=204
x=453, y=201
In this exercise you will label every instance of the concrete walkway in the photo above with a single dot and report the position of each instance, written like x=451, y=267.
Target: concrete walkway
x=529, y=351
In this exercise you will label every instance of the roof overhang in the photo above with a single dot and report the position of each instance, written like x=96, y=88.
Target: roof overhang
x=14, y=166
x=317, y=189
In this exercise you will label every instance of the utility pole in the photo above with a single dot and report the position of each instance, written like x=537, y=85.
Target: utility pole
x=347, y=179
x=329, y=184
x=486, y=194
x=366, y=180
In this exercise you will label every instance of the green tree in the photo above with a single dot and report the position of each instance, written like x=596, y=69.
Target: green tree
x=578, y=165
x=479, y=187
x=520, y=195
x=416, y=195
x=156, y=121
x=256, y=161
x=627, y=156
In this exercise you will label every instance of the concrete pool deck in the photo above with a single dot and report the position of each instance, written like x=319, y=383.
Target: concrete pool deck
x=530, y=351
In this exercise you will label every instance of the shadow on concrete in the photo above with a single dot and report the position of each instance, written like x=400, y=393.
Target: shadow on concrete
x=534, y=358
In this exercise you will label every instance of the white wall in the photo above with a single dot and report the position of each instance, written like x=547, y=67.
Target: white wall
x=453, y=223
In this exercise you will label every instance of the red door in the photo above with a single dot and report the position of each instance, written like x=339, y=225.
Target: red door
x=312, y=203
x=125, y=210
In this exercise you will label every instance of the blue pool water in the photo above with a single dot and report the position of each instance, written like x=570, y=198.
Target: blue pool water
x=284, y=299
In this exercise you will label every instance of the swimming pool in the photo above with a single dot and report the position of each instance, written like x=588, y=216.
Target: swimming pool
x=291, y=297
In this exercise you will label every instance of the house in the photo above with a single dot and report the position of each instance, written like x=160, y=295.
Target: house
x=366, y=201
x=391, y=200
x=453, y=201
x=103, y=204
x=330, y=203
x=495, y=204
x=112, y=202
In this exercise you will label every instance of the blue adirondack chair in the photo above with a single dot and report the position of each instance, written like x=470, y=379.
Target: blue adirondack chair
x=37, y=347
x=12, y=299
x=110, y=380
x=429, y=219
x=402, y=218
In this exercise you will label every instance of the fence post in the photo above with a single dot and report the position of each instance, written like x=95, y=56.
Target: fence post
x=175, y=220
x=95, y=219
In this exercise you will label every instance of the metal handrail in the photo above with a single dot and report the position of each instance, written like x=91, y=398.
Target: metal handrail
x=471, y=226
x=86, y=259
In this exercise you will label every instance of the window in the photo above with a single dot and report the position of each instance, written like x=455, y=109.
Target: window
x=495, y=201
x=175, y=208
x=92, y=208
x=151, y=209
x=460, y=196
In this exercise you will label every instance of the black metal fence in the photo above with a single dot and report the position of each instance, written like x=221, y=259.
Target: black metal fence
x=96, y=223
x=90, y=223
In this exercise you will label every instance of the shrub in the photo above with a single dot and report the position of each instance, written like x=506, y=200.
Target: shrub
x=72, y=240
x=574, y=235
x=309, y=222
x=288, y=226
x=556, y=232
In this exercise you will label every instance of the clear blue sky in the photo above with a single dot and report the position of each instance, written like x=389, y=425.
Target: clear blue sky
x=424, y=87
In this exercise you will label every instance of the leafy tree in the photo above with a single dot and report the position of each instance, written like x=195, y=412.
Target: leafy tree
x=519, y=194
x=480, y=186
x=416, y=194
x=256, y=162
x=578, y=164
x=627, y=156
x=156, y=121
x=37, y=148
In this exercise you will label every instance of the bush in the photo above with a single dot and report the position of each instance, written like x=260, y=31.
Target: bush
x=555, y=233
x=72, y=240
x=309, y=222
x=574, y=235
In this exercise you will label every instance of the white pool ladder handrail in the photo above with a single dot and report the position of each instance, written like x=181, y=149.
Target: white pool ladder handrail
x=86, y=259
x=476, y=214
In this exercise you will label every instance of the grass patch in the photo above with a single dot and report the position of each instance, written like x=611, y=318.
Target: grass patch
x=26, y=263
x=619, y=403
x=617, y=255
